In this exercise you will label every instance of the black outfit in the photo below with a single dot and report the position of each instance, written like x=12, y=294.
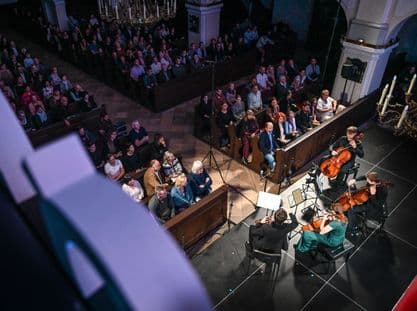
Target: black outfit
x=130, y=163
x=374, y=208
x=205, y=115
x=303, y=120
x=157, y=151
x=163, y=210
x=358, y=151
x=271, y=238
x=223, y=121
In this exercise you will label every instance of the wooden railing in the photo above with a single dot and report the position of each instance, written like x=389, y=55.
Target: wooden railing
x=196, y=222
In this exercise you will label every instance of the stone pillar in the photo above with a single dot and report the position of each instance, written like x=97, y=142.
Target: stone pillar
x=56, y=13
x=376, y=60
x=203, y=20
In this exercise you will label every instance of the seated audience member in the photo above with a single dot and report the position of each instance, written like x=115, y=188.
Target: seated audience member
x=304, y=117
x=331, y=234
x=54, y=77
x=326, y=106
x=279, y=129
x=171, y=166
x=200, y=181
x=158, y=147
x=41, y=117
x=24, y=121
x=65, y=85
x=273, y=110
x=161, y=205
x=281, y=69
x=86, y=136
x=96, y=156
x=224, y=119
x=165, y=74
x=112, y=145
x=130, y=160
x=181, y=194
x=149, y=80
x=313, y=70
x=271, y=234
x=137, y=71
x=238, y=108
x=248, y=128
x=262, y=79
x=219, y=99
x=292, y=69
x=205, y=111
x=255, y=98
x=262, y=42
x=156, y=66
x=288, y=103
x=281, y=88
x=134, y=190
x=178, y=70
x=105, y=124
x=268, y=145
x=230, y=94
x=153, y=177
x=270, y=72
x=114, y=168
x=87, y=103
x=77, y=93
x=196, y=63
x=291, y=129
x=299, y=80
x=48, y=90
x=138, y=134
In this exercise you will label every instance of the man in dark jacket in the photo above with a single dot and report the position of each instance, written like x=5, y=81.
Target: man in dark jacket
x=271, y=235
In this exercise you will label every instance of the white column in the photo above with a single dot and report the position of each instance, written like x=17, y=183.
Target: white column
x=206, y=16
x=56, y=13
x=376, y=61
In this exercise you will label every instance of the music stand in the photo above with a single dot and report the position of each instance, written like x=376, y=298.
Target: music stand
x=269, y=201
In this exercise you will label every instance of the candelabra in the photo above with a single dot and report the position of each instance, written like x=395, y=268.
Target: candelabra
x=137, y=11
x=401, y=119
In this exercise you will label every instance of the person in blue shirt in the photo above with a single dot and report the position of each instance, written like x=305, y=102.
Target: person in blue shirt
x=199, y=180
x=268, y=145
x=181, y=194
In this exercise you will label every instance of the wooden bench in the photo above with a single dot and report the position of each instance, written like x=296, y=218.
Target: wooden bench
x=196, y=222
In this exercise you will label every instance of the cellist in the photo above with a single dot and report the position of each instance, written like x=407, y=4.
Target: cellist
x=355, y=148
x=374, y=207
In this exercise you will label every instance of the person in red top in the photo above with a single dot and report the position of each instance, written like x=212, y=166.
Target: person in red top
x=26, y=98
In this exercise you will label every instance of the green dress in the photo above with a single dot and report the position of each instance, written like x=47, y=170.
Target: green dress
x=310, y=239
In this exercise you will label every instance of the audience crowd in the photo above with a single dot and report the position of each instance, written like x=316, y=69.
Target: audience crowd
x=39, y=95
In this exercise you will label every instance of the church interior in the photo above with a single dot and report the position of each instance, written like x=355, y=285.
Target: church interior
x=208, y=154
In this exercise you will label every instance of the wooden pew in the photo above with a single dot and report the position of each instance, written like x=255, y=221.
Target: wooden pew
x=176, y=91
x=197, y=221
x=89, y=120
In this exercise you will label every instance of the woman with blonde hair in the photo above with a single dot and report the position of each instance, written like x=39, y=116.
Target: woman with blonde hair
x=181, y=194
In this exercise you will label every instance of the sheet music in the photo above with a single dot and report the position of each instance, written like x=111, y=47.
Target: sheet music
x=269, y=200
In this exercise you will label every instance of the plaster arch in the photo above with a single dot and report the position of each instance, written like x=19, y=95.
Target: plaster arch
x=397, y=23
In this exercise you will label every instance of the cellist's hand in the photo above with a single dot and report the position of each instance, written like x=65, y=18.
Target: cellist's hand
x=334, y=153
x=353, y=143
x=372, y=189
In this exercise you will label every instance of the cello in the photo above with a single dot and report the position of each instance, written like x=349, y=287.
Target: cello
x=315, y=224
x=331, y=166
x=350, y=199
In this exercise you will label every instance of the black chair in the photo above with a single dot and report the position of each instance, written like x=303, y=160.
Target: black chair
x=271, y=260
x=331, y=254
x=352, y=171
x=367, y=225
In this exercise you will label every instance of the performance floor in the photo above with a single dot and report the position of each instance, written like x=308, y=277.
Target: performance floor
x=382, y=265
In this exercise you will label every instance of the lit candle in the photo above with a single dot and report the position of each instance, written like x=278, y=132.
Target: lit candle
x=384, y=108
x=384, y=92
x=403, y=115
x=116, y=10
x=106, y=10
x=168, y=7
x=410, y=88
x=144, y=10
x=175, y=6
x=392, y=86
x=129, y=10
x=157, y=10
x=99, y=6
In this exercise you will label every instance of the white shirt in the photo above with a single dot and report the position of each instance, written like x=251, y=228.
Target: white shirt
x=324, y=105
x=113, y=169
x=254, y=100
x=135, y=192
x=262, y=79
x=156, y=68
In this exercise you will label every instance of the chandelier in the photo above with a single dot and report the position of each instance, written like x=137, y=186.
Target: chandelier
x=137, y=11
x=401, y=119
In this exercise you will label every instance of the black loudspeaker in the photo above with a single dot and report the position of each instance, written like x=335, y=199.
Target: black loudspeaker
x=353, y=69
